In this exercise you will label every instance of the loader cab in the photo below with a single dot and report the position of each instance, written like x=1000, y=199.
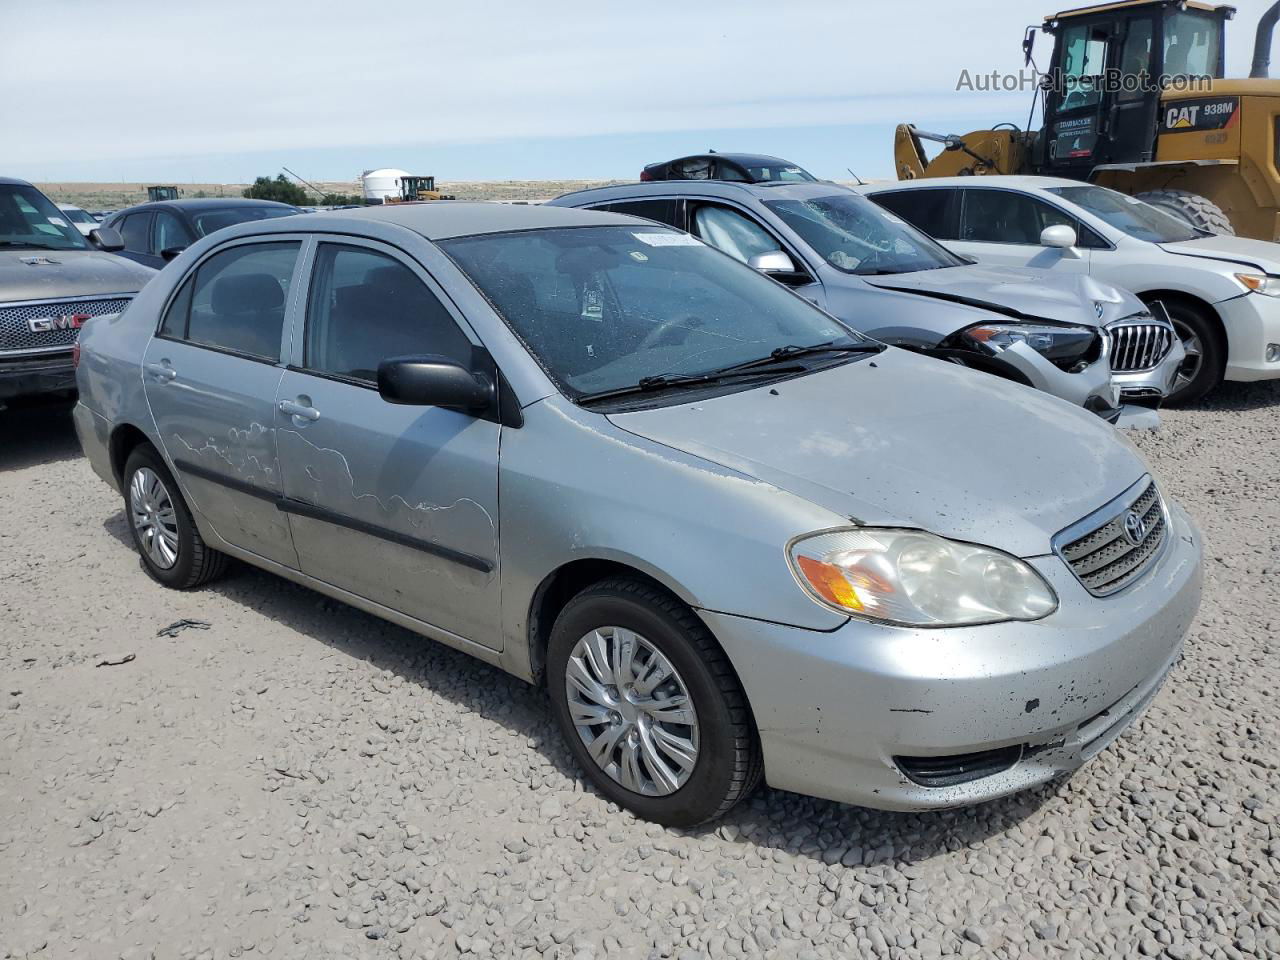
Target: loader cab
x=1110, y=63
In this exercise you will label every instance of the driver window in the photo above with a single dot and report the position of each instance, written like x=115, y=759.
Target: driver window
x=366, y=307
x=1135, y=57
x=1002, y=216
x=169, y=232
x=733, y=233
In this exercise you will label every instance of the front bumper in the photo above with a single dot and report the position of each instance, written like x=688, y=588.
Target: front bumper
x=1091, y=388
x=36, y=375
x=1253, y=323
x=835, y=709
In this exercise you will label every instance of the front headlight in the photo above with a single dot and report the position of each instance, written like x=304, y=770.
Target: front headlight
x=1260, y=283
x=911, y=578
x=1064, y=345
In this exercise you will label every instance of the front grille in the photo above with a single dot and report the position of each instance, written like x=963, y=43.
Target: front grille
x=1113, y=550
x=958, y=768
x=16, y=333
x=1139, y=346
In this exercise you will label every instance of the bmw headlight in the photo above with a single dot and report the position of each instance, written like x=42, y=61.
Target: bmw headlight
x=912, y=578
x=1064, y=345
x=1260, y=283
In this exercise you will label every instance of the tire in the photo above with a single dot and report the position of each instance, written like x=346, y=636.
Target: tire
x=725, y=765
x=178, y=558
x=1206, y=352
x=1196, y=210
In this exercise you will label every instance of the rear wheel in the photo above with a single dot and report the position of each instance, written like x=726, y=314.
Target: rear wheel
x=1201, y=212
x=650, y=706
x=172, y=550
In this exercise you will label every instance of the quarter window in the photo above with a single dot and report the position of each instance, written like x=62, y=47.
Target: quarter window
x=238, y=299
x=366, y=307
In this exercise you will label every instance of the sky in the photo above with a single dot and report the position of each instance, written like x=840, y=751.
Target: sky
x=214, y=91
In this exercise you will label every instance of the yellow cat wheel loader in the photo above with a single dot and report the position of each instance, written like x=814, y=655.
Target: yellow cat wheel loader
x=1135, y=99
x=421, y=188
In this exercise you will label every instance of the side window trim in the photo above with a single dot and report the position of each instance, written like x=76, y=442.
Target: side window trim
x=296, y=356
x=291, y=304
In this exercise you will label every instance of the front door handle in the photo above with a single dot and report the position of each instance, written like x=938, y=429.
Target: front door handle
x=291, y=409
x=162, y=372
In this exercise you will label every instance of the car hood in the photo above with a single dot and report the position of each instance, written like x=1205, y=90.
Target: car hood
x=1021, y=293
x=905, y=440
x=1237, y=250
x=54, y=274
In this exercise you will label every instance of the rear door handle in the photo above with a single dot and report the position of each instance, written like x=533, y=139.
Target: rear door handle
x=291, y=409
x=161, y=372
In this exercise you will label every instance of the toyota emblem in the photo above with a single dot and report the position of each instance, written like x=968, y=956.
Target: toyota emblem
x=1135, y=528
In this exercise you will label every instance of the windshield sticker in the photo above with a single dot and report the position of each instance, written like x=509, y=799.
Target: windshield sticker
x=593, y=303
x=57, y=221
x=639, y=257
x=668, y=239
x=892, y=219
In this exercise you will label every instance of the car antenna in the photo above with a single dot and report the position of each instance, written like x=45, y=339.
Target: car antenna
x=861, y=182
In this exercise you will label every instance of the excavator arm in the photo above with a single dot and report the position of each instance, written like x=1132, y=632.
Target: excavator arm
x=978, y=153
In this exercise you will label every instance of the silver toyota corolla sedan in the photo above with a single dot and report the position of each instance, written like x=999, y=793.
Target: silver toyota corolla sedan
x=732, y=537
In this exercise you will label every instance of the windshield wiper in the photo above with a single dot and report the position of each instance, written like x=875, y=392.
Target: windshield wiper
x=678, y=381
x=28, y=245
x=791, y=351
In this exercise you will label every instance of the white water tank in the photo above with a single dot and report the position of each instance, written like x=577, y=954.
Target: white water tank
x=382, y=184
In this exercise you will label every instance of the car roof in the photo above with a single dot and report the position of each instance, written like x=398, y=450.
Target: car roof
x=14, y=182
x=766, y=190
x=206, y=203
x=444, y=219
x=1012, y=182
x=746, y=159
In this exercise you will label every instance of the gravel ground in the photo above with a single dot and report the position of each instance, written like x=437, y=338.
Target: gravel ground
x=302, y=780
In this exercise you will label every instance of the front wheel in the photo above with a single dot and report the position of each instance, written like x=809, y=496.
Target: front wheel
x=649, y=704
x=172, y=550
x=1206, y=359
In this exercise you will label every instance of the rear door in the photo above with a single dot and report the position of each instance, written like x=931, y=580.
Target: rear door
x=210, y=377
x=396, y=504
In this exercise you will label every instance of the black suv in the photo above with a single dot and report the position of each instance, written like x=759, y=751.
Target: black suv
x=736, y=167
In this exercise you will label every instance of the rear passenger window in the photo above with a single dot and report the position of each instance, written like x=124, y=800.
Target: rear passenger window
x=661, y=211
x=238, y=299
x=933, y=211
x=366, y=307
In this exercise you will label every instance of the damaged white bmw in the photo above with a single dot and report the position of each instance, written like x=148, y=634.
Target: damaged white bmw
x=732, y=537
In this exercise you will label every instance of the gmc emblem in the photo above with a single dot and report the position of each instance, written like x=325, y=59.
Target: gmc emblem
x=66, y=321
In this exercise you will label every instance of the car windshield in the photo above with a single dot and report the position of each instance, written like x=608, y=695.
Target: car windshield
x=30, y=221
x=207, y=221
x=602, y=308
x=76, y=215
x=857, y=236
x=1137, y=219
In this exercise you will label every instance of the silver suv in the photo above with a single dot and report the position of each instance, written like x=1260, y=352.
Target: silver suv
x=53, y=280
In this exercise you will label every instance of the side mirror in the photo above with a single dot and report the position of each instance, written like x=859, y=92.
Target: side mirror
x=772, y=261
x=1059, y=236
x=1028, y=45
x=106, y=238
x=433, y=381
x=168, y=253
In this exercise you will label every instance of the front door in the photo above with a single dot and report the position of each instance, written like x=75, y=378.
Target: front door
x=396, y=504
x=1003, y=227
x=210, y=377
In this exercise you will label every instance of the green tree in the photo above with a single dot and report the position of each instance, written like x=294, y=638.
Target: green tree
x=339, y=199
x=279, y=189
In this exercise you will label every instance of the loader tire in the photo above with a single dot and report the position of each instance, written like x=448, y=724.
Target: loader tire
x=1201, y=212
